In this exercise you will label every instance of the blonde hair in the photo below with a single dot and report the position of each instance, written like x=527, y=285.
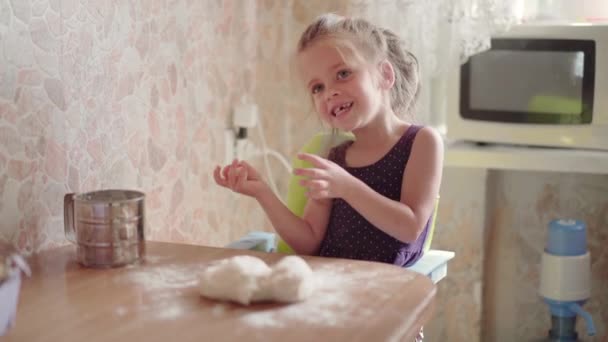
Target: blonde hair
x=374, y=44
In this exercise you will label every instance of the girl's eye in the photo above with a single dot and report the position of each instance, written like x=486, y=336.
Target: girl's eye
x=316, y=88
x=342, y=74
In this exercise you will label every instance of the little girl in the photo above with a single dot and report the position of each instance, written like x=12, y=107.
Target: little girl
x=371, y=199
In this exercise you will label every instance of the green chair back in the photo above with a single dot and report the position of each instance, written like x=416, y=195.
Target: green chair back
x=429, y=235
x=319, y=144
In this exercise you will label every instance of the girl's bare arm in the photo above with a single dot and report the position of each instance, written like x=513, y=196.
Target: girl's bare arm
x=405, y=219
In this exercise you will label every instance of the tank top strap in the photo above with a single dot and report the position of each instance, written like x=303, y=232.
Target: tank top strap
x=406, y=142
x=338, y=153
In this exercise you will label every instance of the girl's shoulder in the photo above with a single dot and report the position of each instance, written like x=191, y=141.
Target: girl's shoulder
x=417, y=136
x=427, y=138
x=427, y=149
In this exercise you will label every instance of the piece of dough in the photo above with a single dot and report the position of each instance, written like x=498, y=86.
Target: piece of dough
x=234, y=279
x=291, y=280
x=245, y=279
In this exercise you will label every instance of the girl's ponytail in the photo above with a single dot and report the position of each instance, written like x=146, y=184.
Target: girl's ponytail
x=407, y=74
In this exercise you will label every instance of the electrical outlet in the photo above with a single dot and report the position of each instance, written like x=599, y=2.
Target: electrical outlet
x=245, y=116
x=237, y=148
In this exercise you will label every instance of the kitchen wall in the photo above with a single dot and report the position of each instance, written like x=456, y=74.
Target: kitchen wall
x=460, y=228
x=116, y=94
x=496, y=222
x=521, y=205
x=119, y=94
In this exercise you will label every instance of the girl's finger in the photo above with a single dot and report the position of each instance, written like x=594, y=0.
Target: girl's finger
x=309, y=172
x=232, y=176
x=241, y=179
x=251, y=171
x=225, y=171
x=317, y=194
x=313, y=159
x=218, y=177
x=317, y=184
x=228, y=167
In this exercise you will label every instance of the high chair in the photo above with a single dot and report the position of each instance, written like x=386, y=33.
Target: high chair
x=432, y=264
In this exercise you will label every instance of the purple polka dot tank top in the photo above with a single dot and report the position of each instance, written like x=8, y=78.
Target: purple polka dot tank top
x=349, y=235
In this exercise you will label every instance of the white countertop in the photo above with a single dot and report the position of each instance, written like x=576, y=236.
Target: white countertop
x=508, y=157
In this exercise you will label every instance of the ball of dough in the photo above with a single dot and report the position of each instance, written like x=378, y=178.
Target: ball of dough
x=246, y=279
x=234, y=279
x=291, y=280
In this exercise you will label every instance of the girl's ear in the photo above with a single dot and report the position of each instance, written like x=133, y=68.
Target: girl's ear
x=387, y=75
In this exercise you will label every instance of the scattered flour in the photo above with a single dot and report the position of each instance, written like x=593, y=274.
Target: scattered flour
x=162, y=278
x=161, y=284
x=331, y=305
x=218, y=310
x=121, y=311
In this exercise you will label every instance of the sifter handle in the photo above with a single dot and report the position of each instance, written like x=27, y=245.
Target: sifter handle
x=68, y=217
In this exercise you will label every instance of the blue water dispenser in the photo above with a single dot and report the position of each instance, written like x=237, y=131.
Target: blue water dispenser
x=565, y=278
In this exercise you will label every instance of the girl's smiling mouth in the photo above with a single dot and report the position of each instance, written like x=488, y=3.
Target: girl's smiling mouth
x=341, y=109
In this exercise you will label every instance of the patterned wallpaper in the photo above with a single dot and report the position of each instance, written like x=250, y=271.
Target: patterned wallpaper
x=99, y=94
x=461, y=229
x=117, y=94
x=496, y=222
x=521, y=205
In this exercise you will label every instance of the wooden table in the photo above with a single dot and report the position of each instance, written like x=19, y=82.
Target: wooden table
x=158, y=300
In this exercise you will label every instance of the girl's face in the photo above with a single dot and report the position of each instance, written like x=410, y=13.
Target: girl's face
x=346, y=95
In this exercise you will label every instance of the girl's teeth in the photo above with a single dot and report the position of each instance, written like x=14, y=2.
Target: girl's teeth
x=341, y=109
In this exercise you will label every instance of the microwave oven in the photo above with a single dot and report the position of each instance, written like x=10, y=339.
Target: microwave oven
x=538, y=85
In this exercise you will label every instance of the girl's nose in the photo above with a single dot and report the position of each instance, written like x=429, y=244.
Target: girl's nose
x=332, y=93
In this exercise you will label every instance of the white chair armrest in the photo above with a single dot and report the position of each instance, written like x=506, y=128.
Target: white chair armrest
x=258, y=241
x=433, y=264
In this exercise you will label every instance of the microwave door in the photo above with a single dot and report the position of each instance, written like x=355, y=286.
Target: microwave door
x=542, y=81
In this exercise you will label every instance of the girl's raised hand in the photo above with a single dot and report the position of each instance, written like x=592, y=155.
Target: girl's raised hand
x=325, y=179
x=239, y=177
